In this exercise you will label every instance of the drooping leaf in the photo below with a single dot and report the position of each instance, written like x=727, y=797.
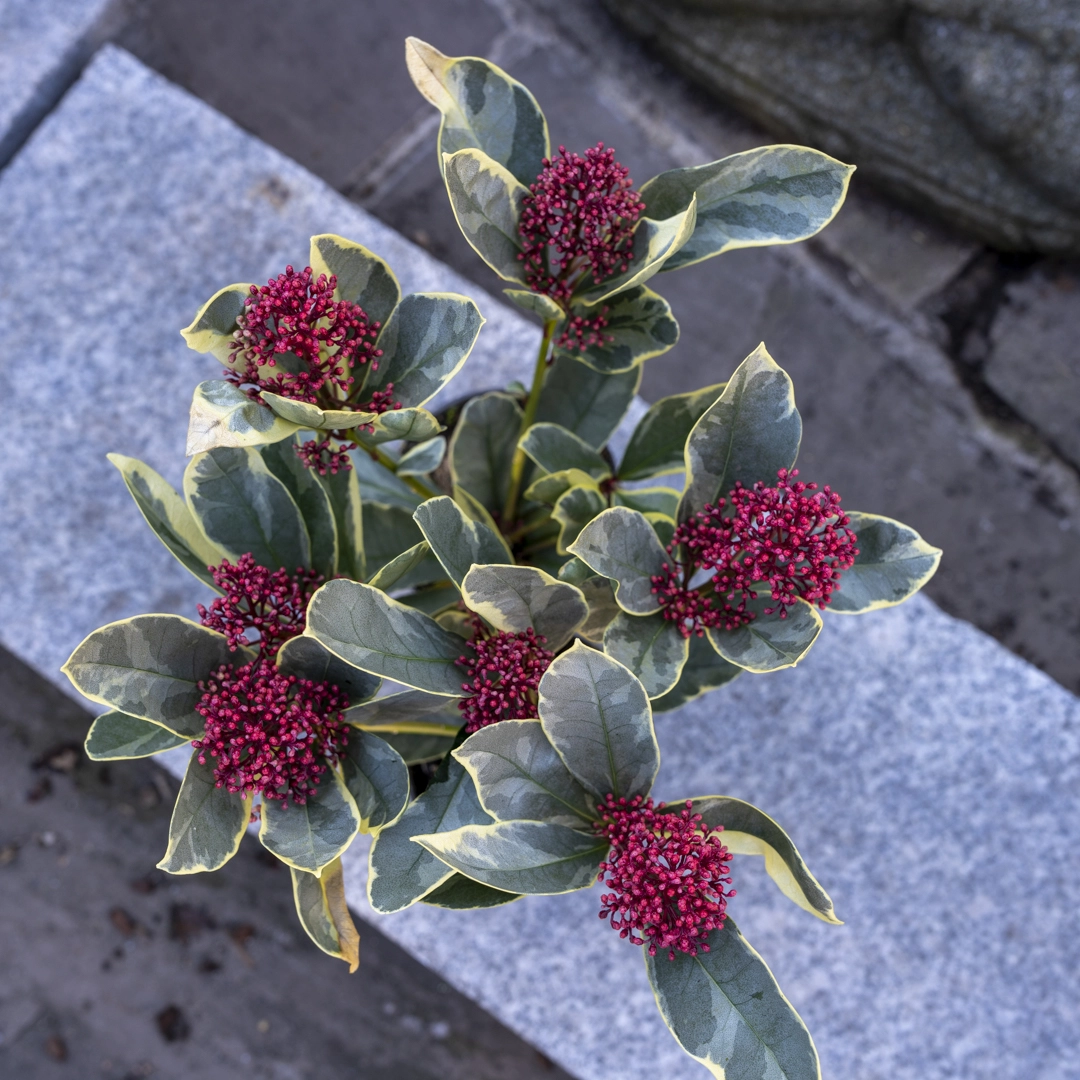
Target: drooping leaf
x=705, y=669
x=727, y=1012
x=343, y=491
x=456, y=541
x=419, y=726
x=600, y=596
x=749, y=831
x=751, y=432
x=519, y=776
x=378, y=484
x=305, y=658
x=311, y=836
x=459, y=893
x=362, y=277
x=223, y=415
x=657, y=444
x=410, y=424
x=655, y=241
x=369, y=630
x=389, y=531
x=893, y=563
x=324, y=914
x=302, y=414
x=650, y=646
x=401, y=871
x=769, y=642
x=150, y=667
x=207, y=824
x=415, y=565
x=597, y=716
x=515, y=598
x=482, y=447
x=530, y=857
x=244, y=508
x=424, y=343
x=638, y=326
x=312, y=500
x=622, y=545
x=574, y=511
x=587, y=402
x=651, y=500
x=168, y=515
x=482, y=106
x=377, y=779
x=212, y=329
x=486, y=200
x=554, y=449
x=770, y=195
x=115, y=735
x=423, y=458
x=551, y=487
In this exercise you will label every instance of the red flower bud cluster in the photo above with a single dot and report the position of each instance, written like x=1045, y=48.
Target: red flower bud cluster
x=504, y=676
x=271, y=602
x=668, y=873
x=322, y=458
x=268, y=732
x=796, y=543
x=294, y=326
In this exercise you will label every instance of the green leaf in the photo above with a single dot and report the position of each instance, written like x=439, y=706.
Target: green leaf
x=652, y=500
x=212, y=329
x=456, y=541
x=727, y=1012
x=574, y=511
x=223, y=415
x=389, y=531
x=168, y=515
x=459, y=893
x=587, y=402
x=432, y=599
x=749, y=831
x=401, y=871
x=486, y=200
x=554, y=449
x=311, y=836
x=597, y=716
x=421, y=727
x=705, y=670
x=752, y=431
x=362, y=277
x=245, y=509
x=410, y=425
x=423, y=458
x=531, y=857
x=311, y=499
x=654, y=243
x=377, y=779
x=482, y=447
x=575, y=571
x=324, y=914
x=519, y=776
x=657, y=444
x=770, y=642
x=622, y=545
x=515, y=598
x=551, y=487
x=893, y=563
x=115, y=735
x=343, y=491
x=150, y=667
x=771, y=195
x=370, y=631
x=639, y=326
x=424, y=343
x=413, y=566
x=535, y=303
x=482, y=106
x=650, y=646
x=207, y=825
x=305, y=415
x=600, y=596
x=377, y=484
x=305, y=658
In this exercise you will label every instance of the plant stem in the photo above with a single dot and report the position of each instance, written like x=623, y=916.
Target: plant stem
x=517, y=469
x=421, y=489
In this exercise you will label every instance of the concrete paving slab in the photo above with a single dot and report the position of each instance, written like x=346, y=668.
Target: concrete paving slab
x=959, y=952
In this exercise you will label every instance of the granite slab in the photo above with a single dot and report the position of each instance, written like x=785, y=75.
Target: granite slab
x=929, y=776
x=42, y=45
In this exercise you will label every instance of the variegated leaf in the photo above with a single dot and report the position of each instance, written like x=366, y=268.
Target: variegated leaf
x=658, y=442
x=482, y=447
x=377, y=779
x=324, y=913
x=362, y=277
x=638, y=325
x=305, y=658
x=115, y=736
x=457, y=541
x=769, y=642
x=313, y=835
x=705, y=669
x=650, y=646
x=212, y=329
x=223, y=415
x=587, y=402
x=555, y=449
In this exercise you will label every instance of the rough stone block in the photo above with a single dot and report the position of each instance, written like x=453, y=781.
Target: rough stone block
x=929, y=776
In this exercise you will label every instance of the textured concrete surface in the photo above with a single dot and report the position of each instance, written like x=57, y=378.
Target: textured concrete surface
x=42, y=47
x=875, y=319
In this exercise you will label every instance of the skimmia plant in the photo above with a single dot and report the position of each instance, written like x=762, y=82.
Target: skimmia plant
x=486, y=593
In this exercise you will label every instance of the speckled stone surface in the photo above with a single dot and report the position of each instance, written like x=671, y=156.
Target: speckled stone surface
x=929, y=776
x=42, y=42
